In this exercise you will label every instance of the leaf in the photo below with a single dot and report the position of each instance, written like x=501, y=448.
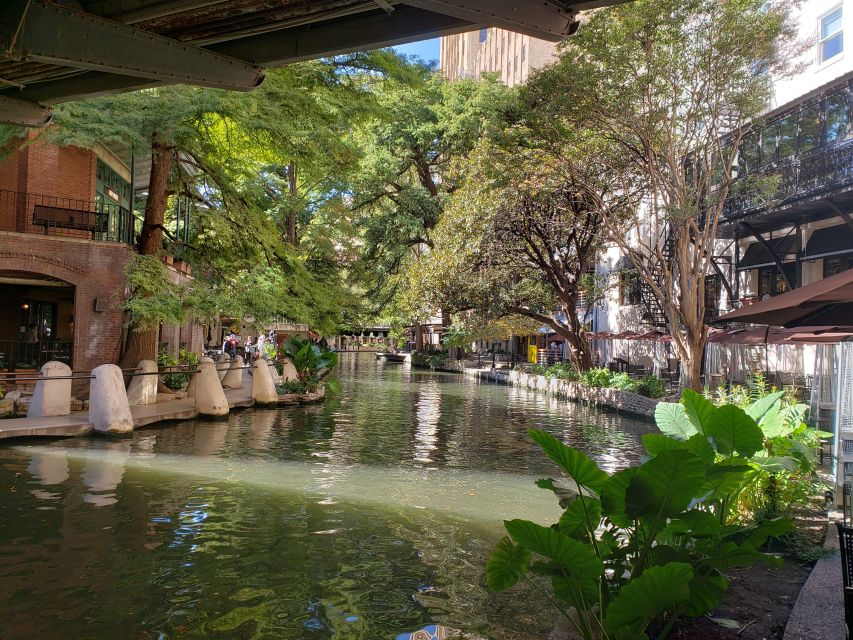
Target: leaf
x=575, y=556
x=613, y=496
x=653, y=592
x=706, y=593
x=657, y=443
x=574, y=520
x=700, y=446
x=727, y=623
x=761, y=406
x=774, y=464
x=671, y=419
x=724, y=478
x=697, y=408
x=734, y=431
x=665, y=485
x=506, y=565
x=772, y=528
x=580, y=467
x=695, y=522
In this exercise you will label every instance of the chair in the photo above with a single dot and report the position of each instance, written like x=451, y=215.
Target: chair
x=845, y=539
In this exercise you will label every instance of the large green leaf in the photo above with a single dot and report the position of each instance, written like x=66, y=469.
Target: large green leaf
x=774, y=464
x=671, y=419
x=506, y=565
x=724, y=478
x=665, y=485
x=578, y=558
x=706, y=593
x=771, y=528
x=697, y=408
x=734, y=431
x=613, y=496
x=700, y=446
x=657, y=443
x=695, y=522
x=648, y=596
x=581, y=513
x=761, y=406
x=577, y=465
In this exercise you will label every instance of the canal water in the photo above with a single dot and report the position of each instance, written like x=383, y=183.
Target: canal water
x=368, y=517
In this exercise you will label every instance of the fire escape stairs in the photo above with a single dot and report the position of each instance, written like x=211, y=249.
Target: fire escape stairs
x=653, y=313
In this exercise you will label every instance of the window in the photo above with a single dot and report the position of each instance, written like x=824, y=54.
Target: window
x=831, y=35
x=483, y=35
x=809, y=127
x=713, y=291
x=787, y=138
x=768, y=145
x=748, y=156
x=848, y=468
x=848, y=446
x=771, y=282
x=837, y=120
x=836, y=264
x=629, y=288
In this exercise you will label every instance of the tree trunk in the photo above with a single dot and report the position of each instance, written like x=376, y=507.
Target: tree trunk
x=691, y=354
x=419, y=337
x=291, y=214
x=142, y=345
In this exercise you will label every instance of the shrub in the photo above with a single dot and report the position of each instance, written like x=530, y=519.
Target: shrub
x=597, y=377
x=561, y=371
x=306, y=385
x=637, y=550
x=307, y=357
x=177, y=381
x=429, y=360
x=623, y=382
x=651, y=387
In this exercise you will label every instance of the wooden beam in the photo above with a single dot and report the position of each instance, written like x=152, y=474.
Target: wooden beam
x=779, y=264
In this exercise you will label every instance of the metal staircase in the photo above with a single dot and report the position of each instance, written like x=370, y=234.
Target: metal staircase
x=653, y=312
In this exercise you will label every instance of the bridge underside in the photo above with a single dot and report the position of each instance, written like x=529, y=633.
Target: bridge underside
x=52, y=52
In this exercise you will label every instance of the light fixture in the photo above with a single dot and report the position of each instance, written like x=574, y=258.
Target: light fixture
x=26, y=305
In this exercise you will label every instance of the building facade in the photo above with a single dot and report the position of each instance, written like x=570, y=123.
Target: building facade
x=512, y=56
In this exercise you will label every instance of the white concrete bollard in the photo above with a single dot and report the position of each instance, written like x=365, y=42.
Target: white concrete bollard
x=51, y=397
x=234, y=377
x=263, y=389
x=210, y=400
x=223, y=365
x=143, y=389
x=109, y=411
x=288, y=371
x=274, y=374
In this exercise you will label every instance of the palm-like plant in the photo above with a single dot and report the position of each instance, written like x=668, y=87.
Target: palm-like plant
x=307, y=357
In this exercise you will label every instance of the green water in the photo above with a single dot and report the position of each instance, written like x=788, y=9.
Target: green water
x=366, y=518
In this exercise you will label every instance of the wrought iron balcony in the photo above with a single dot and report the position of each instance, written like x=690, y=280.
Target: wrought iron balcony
x=807, y=148
x=53, y=215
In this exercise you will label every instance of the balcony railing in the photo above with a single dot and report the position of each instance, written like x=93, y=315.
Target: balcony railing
x=817, y=173
x=20, y=354
x=69, y=217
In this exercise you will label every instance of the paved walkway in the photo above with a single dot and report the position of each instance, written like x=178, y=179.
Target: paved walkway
x=819, y=610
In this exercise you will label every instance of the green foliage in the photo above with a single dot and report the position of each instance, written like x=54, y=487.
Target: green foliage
x=651, y=387
x=309, y=384
x=308, y=358
x=623, y=382
x=598, y=377
x=177, y=381
x=635, y=551
x=429, y=359
x=560, y=371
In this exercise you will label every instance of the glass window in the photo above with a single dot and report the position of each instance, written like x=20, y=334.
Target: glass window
x=831, y=35
x=848, y=446
x=483, y=34
x=768, y=145
x=848, y=468
x=629, y=288
x=837, y=120
x=748, y=157
x=836, y=264
x=787, y=137
x=771, y=282
x=809, y=127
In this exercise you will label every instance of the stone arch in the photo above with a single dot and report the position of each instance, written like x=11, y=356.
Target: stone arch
x=43, y=265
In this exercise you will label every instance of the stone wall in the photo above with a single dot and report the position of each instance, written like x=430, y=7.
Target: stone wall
x=578, y=392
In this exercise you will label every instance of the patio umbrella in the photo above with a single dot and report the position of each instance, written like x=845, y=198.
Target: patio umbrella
x=827, y=302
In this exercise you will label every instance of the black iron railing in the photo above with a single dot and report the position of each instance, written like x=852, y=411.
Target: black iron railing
x=20, y=354
x=817, y=173
x=54, y=215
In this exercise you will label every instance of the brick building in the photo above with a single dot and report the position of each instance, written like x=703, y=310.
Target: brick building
x=66, y=236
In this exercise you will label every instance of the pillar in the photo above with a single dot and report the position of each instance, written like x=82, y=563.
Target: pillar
x=288, y=371
x=109, y=410
x=52, y=397
x=234, y=377
x=263, y=389
x=210, y=400
x=143, y=389
x=222, y=366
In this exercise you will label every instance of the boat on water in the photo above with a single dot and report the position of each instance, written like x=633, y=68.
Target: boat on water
x=392, y=357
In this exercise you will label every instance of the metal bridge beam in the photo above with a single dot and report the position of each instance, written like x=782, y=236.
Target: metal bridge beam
x=779, y=265
x=55, y=34
x=546, y=20
x=24, y=113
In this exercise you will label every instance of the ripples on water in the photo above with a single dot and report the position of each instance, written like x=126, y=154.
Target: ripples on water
x=369, y=517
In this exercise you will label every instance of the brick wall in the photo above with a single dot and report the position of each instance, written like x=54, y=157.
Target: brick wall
x=96, y=269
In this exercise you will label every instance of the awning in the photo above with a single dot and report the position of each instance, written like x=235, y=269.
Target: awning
x=757, y=255
x=776, y=335
x=830, y=241
x=827, y=302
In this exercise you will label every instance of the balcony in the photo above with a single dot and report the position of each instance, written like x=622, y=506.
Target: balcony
x=808, y=149
x=97, y=219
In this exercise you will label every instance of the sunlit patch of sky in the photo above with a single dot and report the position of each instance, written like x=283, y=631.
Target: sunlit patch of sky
x=426, y=50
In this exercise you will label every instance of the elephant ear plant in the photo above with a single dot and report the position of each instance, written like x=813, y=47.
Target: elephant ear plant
x=635, y=551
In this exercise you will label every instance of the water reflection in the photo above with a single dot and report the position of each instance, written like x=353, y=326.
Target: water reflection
x=369, y=516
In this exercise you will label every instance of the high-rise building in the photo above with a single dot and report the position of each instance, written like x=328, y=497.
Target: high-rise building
x=511, y=55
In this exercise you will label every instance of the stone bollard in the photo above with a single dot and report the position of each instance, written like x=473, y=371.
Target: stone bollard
x=223, y=365
x=263, y=389
x=51, y=397
x=143, y=389
x=109, y=411
x=288, y=371
x=210, y=400
x=190, y=391
x=234, y=377
x=274, y=374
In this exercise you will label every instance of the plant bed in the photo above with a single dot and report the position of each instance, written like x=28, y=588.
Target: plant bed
x=309, y=397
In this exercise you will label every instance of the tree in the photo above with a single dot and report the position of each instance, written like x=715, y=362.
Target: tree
x=673, y=85
x=409, y=170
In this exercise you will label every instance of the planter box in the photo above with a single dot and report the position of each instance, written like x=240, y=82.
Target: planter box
x=286, y=399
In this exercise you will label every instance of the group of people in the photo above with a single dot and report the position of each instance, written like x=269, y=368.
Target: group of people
x=253, y=348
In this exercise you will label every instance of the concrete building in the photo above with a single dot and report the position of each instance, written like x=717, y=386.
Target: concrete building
x=513, y=56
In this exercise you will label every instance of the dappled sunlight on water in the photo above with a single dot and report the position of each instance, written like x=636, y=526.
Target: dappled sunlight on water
x=368, y=517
